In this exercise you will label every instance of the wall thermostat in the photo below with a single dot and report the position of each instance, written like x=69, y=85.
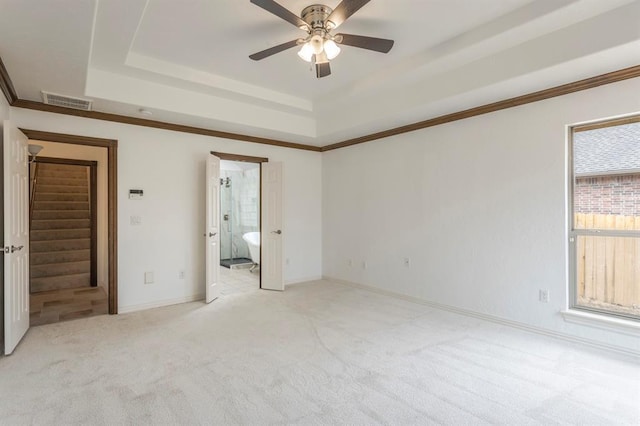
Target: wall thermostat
x=135, y=194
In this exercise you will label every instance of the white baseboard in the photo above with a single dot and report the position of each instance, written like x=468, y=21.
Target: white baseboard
x=159, y=304
x=169, y=302
x=302, y=280
x=492, y=318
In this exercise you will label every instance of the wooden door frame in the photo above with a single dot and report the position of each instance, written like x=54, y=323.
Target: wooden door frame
x=112, y=200
x=93, y=203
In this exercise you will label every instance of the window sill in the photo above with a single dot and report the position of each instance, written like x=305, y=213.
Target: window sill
x=604, y=322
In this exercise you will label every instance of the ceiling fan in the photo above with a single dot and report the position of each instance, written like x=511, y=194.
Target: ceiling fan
x=320, y=46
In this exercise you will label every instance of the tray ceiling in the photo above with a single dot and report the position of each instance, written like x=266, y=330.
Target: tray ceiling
x=187, y=61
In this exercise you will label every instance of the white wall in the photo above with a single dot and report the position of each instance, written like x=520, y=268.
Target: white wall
x=89, y=153
x=478, y=206
x=170, y=168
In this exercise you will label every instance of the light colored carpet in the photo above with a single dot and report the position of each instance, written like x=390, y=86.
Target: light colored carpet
x=319, y=353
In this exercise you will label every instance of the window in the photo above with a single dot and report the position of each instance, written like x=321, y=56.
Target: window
x=605, y=217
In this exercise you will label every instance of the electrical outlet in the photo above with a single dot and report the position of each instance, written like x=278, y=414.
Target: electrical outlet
x=544, y=296
x=135, y=220
x=350, y=262
x=364, y=264
x=407, y=262
x=287, y=261
x=148, y=277
x=181, y=274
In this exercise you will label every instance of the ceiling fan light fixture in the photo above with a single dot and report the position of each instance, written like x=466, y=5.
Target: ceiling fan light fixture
x=321, y=58
x=331, y=49
x=317, y=44
x=320, y=46
x=306, y=52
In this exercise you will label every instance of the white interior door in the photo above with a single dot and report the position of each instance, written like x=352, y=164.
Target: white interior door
x=16, y=236
x=271, y=262
x=212, y=251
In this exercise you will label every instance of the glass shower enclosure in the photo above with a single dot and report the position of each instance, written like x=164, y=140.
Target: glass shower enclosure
x=239, y=207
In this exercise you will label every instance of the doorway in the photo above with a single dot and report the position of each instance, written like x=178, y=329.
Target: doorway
x=104, y=152
x=15, y=143
x=239, y=226
x=270, y=220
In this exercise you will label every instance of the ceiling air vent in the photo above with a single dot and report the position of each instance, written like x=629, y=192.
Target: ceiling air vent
x=66, y=101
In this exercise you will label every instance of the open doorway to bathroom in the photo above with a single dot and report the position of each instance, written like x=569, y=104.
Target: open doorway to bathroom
x=239, y=226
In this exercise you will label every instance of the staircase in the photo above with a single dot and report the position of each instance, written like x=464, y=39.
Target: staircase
x=60, y=228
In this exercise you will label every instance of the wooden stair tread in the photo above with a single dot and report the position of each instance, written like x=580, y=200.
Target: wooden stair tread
x=44, y=224
x=59, y=277
x=64, y=196
x=64, y=189
x=60, y=282
x=65, y=239
x=46, y=257
x=43, y=231
x=60, y=205
x=50, y=270
x=59, y=234
x=61, y=245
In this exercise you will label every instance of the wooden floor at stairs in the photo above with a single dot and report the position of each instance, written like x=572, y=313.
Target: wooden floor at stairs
x=47, y=307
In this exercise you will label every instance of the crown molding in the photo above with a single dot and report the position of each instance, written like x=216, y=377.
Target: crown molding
x=565, y=89
x=589, y=83
x=6, y=85
x=135, y=121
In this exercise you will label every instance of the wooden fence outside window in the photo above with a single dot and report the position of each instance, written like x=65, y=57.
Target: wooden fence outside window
x=608, y=268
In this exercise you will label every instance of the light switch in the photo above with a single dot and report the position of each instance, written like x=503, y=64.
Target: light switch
x=148, y=277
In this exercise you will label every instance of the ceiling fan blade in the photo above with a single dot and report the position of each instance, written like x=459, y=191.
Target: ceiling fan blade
x=382, y=45
x=323, y=68
x=273, y=50
x=344, y=10
x=281, y=12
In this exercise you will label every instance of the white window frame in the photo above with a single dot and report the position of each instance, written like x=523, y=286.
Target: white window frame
x=573, y=233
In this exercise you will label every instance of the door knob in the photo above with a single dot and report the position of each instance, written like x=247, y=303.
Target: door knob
x=277, y=232
x=213, y=234
x=14, y=248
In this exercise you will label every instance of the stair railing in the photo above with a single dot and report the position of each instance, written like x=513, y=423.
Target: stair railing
x=32, y=193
